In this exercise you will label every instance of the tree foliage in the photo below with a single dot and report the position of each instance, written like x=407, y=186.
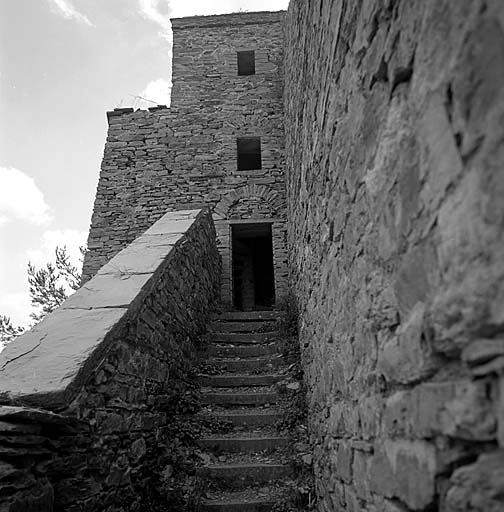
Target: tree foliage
x=49, y=287
x=8, y=331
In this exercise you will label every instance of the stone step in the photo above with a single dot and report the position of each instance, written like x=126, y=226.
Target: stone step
x=242, y=350
x=251, y=418
x=237, y=380
x=250, y=316
x=247, y=444
x=230, y=505
x=253, y=499
x=260, y=326
x=243, y=475
x=239, y=338
x=248, y=364
x=246, y=398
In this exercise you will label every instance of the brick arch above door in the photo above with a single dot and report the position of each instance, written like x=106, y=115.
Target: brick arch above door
x=250, y=202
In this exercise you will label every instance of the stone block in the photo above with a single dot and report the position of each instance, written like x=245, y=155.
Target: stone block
x=361, y=468
x=443, y=163
x=478, y=487
x=481, y=353
x=398, y=414
x=429, y=407
x=405, y=470
x=500, y=411
x=393, y=506
x=336, y=498
x=341, y=461
x=458, y=409
x=370, y=412
x=470, y=414
x=44, y=362
x=111, y=422
x=115, y=289
x=407, y=357
x=38, y=497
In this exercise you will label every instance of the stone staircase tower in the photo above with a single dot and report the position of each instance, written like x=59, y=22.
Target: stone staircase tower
x=220, y=145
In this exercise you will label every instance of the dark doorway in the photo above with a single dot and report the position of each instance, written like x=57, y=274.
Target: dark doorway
x=253, y=279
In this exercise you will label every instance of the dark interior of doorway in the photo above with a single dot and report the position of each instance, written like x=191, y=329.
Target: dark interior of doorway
x=253, y=278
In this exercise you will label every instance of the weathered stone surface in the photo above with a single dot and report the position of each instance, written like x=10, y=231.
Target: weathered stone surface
x=479, y=486
x=500, y=412
x=393, y=155
x=403, y=359
x=47, y=359
x=33, y=417
x=40, y=497
x=404, y=470
x=396, y=241
x=110, y=290
x=484, y=355
x=470, y=413
x=342, y=461
x=458, y=409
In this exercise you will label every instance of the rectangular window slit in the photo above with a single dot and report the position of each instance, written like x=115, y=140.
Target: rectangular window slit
x=249, y=153
x=246, y=62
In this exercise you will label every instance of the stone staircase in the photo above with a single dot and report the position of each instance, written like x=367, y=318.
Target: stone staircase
x=245, y=468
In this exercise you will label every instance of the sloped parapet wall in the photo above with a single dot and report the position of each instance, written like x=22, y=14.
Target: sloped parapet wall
x=85, y=391
x=395, y=158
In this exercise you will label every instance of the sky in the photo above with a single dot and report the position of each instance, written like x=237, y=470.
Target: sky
x=63, y=65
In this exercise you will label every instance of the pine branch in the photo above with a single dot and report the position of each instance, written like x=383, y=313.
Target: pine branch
x=49, y=287
x=8, y=332
x=66, y=270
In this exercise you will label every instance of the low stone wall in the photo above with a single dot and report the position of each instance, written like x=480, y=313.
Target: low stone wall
x=88, y=392
x=394, y=127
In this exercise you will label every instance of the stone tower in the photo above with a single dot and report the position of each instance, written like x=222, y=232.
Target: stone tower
x=220, y=144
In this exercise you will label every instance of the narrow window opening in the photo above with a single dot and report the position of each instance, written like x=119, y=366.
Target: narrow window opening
x=246, y=62
x=249, y=153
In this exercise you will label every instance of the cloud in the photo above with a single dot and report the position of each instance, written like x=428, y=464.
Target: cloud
x=157, y=91
x=17, y=306
x=181, y=8
x=16, y=303
x=21, y=199
x=44, y=253
x=68, y=11
x=151, y=10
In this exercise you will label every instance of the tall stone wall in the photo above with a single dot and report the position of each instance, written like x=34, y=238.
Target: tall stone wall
x=88, y=395
x=186, y=156
x=395, y=157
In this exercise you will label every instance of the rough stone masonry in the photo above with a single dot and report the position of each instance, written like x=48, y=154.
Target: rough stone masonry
x=382, y=131
x=395, y=179
x=185, y=156
x=87, y=395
